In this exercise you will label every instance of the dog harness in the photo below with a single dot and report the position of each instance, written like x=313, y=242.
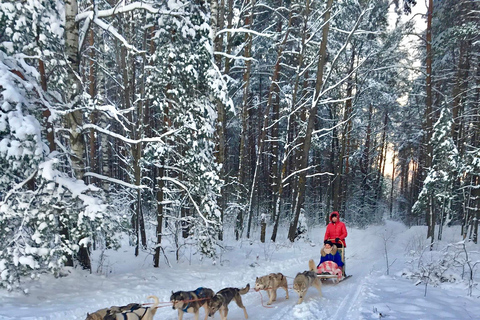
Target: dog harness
x=197, y=293
x=188, y=304
x=131, y=311
x=125, y=314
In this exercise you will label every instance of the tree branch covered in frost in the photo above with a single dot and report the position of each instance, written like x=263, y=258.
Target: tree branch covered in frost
x=118, y=9
x=445, y=266
x=96, y=15
x=244, y=30
x=128, y=140
x=178, y=183
x=116, y=181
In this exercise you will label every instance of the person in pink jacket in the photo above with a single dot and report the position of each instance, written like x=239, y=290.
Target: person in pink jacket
x=337, y=232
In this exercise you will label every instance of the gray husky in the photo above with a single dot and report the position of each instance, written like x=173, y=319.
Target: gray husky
x=305, y=280
x=223, y=297
x=271, y=283
x=191, y=301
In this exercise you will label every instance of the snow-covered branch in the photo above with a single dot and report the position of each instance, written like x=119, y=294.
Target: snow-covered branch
x=116, y=181
x=191, y=198
x=229, y=56
x=243, y=30
x=140, y=5
x=347, y=41
x=115, y=33
x=19, y=186
x=128, y=140
x=320, y=174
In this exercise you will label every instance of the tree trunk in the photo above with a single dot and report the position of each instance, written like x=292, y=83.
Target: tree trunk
x=476, y=212
x=159, y=192
x=273, y=92
x=339, y=186
x=92, y=92
x=428, y=117
x=49, y=132
x=459, y=89
x=381, y=161
x=475, y=184
x=230, y=16
x=243, y=159
x=305, y=148
x=365, y=168
x=289, y=145
x=139, y=130
x=393, y=185
x=217, y=23
x=74, y=118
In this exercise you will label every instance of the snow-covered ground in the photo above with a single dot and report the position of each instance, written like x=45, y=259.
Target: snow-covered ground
x=369, y=294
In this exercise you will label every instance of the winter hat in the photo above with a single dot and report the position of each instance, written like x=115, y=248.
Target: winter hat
x=328, y=242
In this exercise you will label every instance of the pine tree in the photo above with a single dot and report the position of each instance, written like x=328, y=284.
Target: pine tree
x=438, y=191
x=46, y=216
x=187, y=88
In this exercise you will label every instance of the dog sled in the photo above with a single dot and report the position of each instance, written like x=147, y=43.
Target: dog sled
x=330, y=268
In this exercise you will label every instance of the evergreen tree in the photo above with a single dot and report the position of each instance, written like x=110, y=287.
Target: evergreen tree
x=438, y=191
x=46, y=216
x=187, y=87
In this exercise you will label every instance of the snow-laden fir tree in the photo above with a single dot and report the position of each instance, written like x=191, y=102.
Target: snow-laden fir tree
x=45, y=214
x=438, y=194
x=183, y=86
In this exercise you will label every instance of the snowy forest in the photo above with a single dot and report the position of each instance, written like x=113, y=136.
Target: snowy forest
x=186, y=119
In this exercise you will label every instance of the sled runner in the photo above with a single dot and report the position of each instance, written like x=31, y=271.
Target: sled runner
x=330, y=270
x=325, y=276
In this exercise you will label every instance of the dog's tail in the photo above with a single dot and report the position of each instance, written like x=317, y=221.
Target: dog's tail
x=311, y=265
x=245, y=290
x=155, y=304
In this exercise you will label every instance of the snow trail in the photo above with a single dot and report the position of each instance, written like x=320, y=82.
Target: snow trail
x=365, y=295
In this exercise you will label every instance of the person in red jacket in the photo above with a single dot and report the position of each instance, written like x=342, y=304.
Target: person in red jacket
x=337, y=232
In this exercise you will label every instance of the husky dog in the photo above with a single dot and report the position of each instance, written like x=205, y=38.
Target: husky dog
x=132, y=311
x=271, y=283
x=223, y=297
x=191, y=301
x=97, y=315
x=305, y=280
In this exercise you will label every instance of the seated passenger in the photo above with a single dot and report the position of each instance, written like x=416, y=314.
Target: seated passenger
x=330, y=260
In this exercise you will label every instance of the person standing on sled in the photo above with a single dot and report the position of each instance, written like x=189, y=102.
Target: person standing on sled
x=337, y=232
x=330, y=260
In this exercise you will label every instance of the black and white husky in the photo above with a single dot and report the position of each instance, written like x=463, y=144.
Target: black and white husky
x=223, y=297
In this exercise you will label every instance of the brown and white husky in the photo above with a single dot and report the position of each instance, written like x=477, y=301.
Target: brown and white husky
x=271, y=283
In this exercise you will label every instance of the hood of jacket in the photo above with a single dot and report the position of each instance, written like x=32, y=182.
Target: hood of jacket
x=338, y=216
x=333, y=252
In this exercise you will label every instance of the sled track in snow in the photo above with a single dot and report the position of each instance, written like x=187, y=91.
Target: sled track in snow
x=345, y=306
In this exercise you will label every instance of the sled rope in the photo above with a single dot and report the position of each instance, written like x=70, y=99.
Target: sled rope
x=169, y=303
x=261, y=300
x=161, y=304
